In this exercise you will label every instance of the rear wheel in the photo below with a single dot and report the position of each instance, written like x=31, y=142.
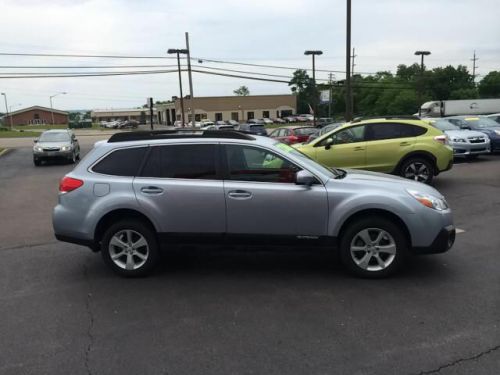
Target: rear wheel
x=373, y=247
x=130, y=248
x=418, y=169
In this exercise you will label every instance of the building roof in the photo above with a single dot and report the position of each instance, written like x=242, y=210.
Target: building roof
x=119, y=111
x=37, y=107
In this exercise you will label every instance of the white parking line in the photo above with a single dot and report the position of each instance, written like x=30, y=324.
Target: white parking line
x=458, y=230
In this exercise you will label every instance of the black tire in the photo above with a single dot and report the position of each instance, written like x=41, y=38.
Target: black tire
x=37, y=162
x=351, y=237
x=410, y=167
x=471, y=157
x=137, y=227
x=72, y=159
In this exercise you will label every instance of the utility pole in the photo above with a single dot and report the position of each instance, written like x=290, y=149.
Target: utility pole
x=330, y=84
x=51, y=107
x=474, y=67
x=190, y=81
x=421, y=88
x=352, y=77
x=7, y=109
x=177, y=52
x=348, y=93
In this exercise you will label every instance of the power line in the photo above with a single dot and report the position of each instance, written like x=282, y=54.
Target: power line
x=84, y=56
x=83, y=66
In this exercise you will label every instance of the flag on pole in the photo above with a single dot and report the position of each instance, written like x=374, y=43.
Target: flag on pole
x=311, y=111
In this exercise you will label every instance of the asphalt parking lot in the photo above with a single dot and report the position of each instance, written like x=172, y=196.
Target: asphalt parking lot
x=220, y=312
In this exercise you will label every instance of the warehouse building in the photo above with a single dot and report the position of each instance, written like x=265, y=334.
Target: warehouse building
x=138, y=114
x=224, y=108
x=36, y=115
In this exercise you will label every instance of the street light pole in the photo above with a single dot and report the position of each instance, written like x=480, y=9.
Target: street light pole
x=177, y=52
x=348, y=93
x=51, y=107
x=421, y=88
x=313, y=54
x=190, y=76
x=7, y=109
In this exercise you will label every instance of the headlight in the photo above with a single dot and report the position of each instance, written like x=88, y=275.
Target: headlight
x=458, y=140
x=429, y=200
x=65, y=148
x=497, y=131
x=38, y=148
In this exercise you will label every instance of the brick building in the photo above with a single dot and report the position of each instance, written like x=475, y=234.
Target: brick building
x=36, y=115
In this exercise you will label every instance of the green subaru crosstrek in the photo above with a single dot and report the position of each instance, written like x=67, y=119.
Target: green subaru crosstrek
x=409, y=148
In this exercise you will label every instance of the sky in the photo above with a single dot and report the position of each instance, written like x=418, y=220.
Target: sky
x=385, y=33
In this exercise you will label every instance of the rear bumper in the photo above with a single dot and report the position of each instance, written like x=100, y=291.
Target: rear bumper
x=78, y=241
x=442, y=243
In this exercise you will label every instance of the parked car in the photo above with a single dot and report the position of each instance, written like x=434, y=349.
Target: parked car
x=206, y=122
x=409, y=148
x=257, y=129
x=136, y=194
x=233, y=122
x=278, y=120
x=291, y=135
x=495, y=117
x=290, y=119
x=220, y=122
x=111, y=124
x=325, y=129
x=56, y=144
x=131, y=124
x=267, y=121
x=482, y=124
x=323, y=121
x=256, y=121
x=466, y=143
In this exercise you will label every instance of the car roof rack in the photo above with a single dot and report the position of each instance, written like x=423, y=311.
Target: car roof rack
x=402, y=117
x=178, y=133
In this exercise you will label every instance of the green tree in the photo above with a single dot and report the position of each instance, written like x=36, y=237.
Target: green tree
x=441, y=82
x=242, y=91
x=303, y=86
x=489, y=87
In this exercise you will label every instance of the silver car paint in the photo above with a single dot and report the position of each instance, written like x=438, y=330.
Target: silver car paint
x=335, y=200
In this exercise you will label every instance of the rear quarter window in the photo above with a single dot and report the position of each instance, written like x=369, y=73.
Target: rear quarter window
x=124, y=162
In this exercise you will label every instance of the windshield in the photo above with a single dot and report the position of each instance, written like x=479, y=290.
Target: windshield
x=482, y=122
x=445, y=125
x=331, y=172
x=328, y=128
x=54, y=137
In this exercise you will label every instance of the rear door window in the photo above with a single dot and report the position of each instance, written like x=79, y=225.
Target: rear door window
x=182, y=161
x=124, y=162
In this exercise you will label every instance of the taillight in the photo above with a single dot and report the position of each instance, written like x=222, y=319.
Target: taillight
x=441, y=139
x=293, y=139
x=68, y=184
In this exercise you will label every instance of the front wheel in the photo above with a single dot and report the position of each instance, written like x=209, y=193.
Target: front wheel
x=373, y=247
x=417, y=169
x=130, y=248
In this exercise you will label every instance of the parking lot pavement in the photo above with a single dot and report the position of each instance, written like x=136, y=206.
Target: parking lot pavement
x=222, y=312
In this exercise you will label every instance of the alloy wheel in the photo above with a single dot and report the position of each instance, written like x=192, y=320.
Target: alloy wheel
x=373, y=249
x=417, y=171
x=128, y=249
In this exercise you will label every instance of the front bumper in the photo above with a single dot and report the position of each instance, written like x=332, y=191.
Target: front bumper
x=466, y=149
x=442, y=243
x=38, y=155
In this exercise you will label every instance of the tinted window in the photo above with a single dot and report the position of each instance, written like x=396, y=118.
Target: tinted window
x=392, y=130
x=247, y=163
x=125, y=162
x=181, y=161
x=257, y=128
x=54, y=137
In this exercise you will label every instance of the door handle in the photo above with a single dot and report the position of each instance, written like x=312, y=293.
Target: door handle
x=359, y=148
x=152, y=190
x=404, y=144
x=239, y=194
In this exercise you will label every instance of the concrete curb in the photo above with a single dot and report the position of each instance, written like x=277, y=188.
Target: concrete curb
x=4, y=152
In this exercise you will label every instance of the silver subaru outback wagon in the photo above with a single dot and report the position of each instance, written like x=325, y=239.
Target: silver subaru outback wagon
x=140, y=192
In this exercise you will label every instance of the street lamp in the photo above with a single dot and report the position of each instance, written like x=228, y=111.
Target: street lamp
x=313, y=54
x=51, y=108
x=7, y=109
x=178, y=52
x=419, y=98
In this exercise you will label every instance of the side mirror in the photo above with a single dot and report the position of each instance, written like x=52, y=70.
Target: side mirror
x=305, y=178
x=329, y=143
x=35, y=140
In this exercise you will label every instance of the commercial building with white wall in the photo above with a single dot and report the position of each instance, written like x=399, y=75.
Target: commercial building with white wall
x=239, y=108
